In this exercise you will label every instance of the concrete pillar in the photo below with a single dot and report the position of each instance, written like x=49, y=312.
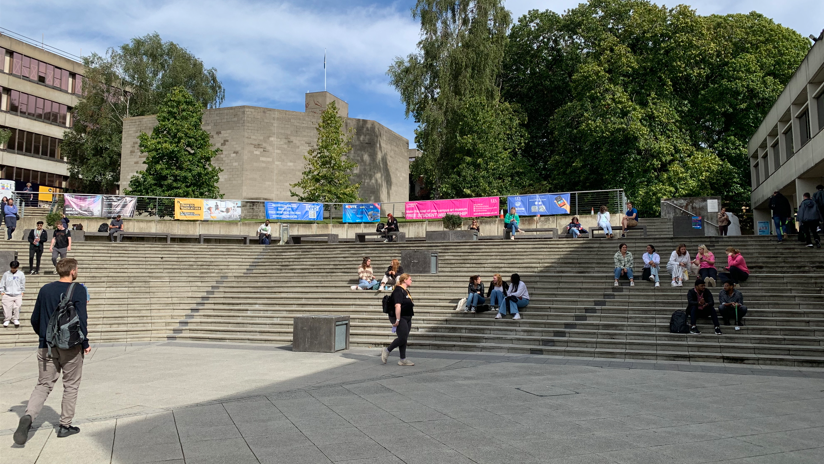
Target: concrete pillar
x=762, y=214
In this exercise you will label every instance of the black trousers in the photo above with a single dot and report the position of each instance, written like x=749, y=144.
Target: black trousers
x=735, y=274
x=808, y=228
x=694, y=312
x=708, y=272
x=724, y=229
x=35, y=251
x=404, y=326
x=728, y=312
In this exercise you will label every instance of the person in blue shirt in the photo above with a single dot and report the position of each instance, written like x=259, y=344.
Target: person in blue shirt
x=630, y=218
x=10, y=211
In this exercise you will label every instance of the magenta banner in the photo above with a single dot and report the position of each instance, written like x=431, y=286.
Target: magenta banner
x=463, y=207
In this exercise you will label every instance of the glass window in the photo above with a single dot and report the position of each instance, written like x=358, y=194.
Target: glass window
x=820, y=104
x=36, y=144
x=776, y=154
x=47, y=110
x=32, y=105
x=41, y=72
x=38, y=108
x=64, y=80
x=24, y=104
x=17, y=64
x=55, y=114
x=57, y=75
x=49, y=74
x=18, y=174
x=788, y=142
x=52, y=147
x=34, y=65
x=78, y=84
x=14, y=101
x=804, y=126
x=27, y=148
x=11, y=144
x=26, y=63
x=757, y=172
x=21, y=139
x=57, y=148
x=62, y=119
x=3, y=58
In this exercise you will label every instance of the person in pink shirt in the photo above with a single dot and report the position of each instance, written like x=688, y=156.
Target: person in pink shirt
x=705, y=261
x=737, y=270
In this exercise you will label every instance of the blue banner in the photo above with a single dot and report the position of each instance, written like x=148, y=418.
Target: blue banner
x=533, y=205
x=361, y=212
x=288, y=211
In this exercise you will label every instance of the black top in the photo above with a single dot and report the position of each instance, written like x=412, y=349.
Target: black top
x=392, y=225
x=397, y=273
x=692, y=299
x=479, y=288
x=401, y=295
x=781, y=206
x=61, y=238
x=504, y=287
x=43, y=238
x=47, y=302
x=477, y=228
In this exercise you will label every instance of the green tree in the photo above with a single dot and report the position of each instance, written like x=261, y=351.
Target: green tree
x=326, y=177
x=659, y=101
x=5, y=135
x=178, y=153
x=128, y=81
x=451, y=88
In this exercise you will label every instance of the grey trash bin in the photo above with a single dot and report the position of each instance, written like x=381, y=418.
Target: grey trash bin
x=322, y=334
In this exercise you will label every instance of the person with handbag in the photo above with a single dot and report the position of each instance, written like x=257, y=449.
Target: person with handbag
x=517, y=297
x=10, y=211
x=401, y=319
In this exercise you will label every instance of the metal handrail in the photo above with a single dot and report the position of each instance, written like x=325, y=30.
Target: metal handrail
x=690, y=213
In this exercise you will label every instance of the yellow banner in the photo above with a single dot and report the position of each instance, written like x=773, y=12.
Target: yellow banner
x=45, y=193
x=189, y=208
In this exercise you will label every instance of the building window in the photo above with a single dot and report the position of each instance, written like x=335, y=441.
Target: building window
x=820, y=105
x=804, y=127
x=37, y=108
x=33, y=144
x=788, y=142
x=757, y=174
x=44, y=73
x=776, y=154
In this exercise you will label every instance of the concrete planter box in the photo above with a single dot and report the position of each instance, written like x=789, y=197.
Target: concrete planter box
x=449, y=235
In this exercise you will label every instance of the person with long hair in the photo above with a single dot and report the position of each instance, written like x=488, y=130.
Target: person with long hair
x=603, y=221
x=705, y=260
x=401, y=319
x=723, y=222
x=652, y=263
x=475, y=228
x=366, y=278
x=3, y=204
x=677, y=265
x=517, y=297
x=392, y=273
x=623, y=264
x=496, y=292
x=512, y=222
x=475, y=297
x=391, y=226
x=737, y=270
x=575, y=228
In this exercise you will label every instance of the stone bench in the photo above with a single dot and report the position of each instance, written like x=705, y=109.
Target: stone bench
x=360, y=237
x=329, y=238
x=618, y=229
x=553, y=230
x=120, y=235
x=203, y=237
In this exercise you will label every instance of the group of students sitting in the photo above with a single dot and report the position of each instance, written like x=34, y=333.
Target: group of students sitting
x=501, y=295
x=367, y=280
x=680, y=265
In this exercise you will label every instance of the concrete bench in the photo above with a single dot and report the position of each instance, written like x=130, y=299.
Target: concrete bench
x=553, y=230
x=568, y=234
x=120, y=235
x=329, y=238
x=618, y=229
x=203, y=237
x=360, y=237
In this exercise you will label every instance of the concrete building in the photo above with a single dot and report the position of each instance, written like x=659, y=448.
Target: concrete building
x=263, y=150
x=38, y=90
x=787, y=150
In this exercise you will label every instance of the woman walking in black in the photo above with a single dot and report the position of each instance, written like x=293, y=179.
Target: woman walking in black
x=401, y=319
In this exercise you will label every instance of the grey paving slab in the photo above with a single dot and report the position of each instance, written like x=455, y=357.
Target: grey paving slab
x=231, y=451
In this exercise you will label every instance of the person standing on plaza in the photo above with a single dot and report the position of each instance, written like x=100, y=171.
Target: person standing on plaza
x=781, y=211
x=61, y=243
x=10, y=211
x=401, y=319
x=29, y=197
x=810, y=217
x=115, y=226
x=37, y=240
x=723, y=221
x=12, y=288
x=52, y=360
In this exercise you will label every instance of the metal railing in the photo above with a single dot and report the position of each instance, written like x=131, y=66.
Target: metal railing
x=690, y=213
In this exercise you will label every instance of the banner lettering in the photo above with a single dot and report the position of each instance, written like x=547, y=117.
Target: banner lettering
x=114, y=205
x=293, y=211
x=189, y=209
x=533, y=205
x=361, y=212
x=463, y=207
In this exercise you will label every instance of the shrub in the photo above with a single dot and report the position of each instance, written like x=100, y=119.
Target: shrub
x=53, y=218
x=452, y=222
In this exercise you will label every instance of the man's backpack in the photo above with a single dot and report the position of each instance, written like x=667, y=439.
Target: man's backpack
x=387, y=304
x=678, y=323
x=63, y=331
x=380, y=227
x=103, y=227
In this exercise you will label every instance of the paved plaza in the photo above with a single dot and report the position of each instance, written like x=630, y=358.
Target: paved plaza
x=219, y=403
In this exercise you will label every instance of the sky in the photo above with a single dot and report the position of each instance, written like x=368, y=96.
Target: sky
x=269, y=53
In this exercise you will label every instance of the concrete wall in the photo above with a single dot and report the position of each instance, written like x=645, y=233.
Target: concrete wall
x=263, y=152
x=697, y=206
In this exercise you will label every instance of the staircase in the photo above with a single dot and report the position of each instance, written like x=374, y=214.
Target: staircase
x=657, y=227
x=234, y=293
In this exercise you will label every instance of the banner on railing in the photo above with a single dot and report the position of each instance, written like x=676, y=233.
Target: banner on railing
x=83, y=205
x=361, y=212
x=293, y=211
x=114, y=206
x=221, y=210
x=533, y=205
x=189, y=208
x=463, y=207
x=7, y=187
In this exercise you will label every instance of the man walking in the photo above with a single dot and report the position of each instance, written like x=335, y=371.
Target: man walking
x=115, y=226
x=782, y=211
x=37, y=240
x=809, y=216
x=51, y=363
x=12, y=287
x=61, y=243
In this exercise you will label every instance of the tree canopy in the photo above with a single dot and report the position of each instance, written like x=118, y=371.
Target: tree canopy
x=179, y=153
x=128, y=81
x=326, y=177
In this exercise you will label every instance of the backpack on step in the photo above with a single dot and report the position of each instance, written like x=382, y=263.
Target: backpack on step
x=63, y=331
x=103, y=227
x=678, y=323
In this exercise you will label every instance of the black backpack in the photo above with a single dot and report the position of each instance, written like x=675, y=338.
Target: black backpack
x=387, y=303
x=678, y=323
x=63, y=331
x=380, y=227
x=103, y=228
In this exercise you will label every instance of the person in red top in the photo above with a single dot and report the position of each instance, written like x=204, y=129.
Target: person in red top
x=737, y=270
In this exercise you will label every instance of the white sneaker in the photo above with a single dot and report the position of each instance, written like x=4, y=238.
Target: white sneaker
x=616, y=284
x=354, y=287
x=6, y=324
x=498, y=316
x=516, y=317
x=512, y=237
x=631, y=283
x=657, y=284
x=358, y=288
x=674, y=283
x=652, y=278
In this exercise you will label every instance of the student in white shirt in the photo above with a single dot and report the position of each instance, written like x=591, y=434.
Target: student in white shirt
x=603, y=221
x=652, y=262
x=517, y=297
x=677, y=265
x=265, y=233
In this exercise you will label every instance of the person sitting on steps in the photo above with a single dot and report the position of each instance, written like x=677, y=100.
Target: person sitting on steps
x=736, y=267
x=630, y=219
x=496, y=292
x=699, y=300
x=705, y=261
x=475, y=297
x=677, y=265
x=652, y=263
x=623, y=264
x=366, y=278
x=392, y=273
x=731, y=304
x=575, y=228
x=517, y=297
x=391, y=226
x=512, y=222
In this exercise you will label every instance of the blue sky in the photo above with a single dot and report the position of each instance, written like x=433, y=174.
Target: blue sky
x=270, y=52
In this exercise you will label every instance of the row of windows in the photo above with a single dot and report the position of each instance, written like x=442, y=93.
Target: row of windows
x=23, y=104
x=30, y=175
x=30, y=143
x=29, y=68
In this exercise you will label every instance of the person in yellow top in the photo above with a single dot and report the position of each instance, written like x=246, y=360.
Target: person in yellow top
x=512, y=222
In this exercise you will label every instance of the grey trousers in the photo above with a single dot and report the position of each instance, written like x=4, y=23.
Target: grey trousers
x=71, y=363
x=61, y=252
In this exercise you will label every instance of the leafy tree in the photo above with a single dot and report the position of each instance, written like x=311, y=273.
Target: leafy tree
x=659, y=101
x=451, y=88
x=178, y=153
x=326, y=177
x=128, y=81
x=5, y=135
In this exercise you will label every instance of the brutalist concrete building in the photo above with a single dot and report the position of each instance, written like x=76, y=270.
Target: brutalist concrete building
x=263, y=150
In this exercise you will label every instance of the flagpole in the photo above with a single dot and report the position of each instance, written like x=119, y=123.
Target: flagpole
x=324, y=70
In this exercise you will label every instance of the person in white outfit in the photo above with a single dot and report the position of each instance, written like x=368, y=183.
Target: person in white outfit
x=517, y=297
x=603, y=221
x=678, y=264
x=652, y=261
x=12, y=288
